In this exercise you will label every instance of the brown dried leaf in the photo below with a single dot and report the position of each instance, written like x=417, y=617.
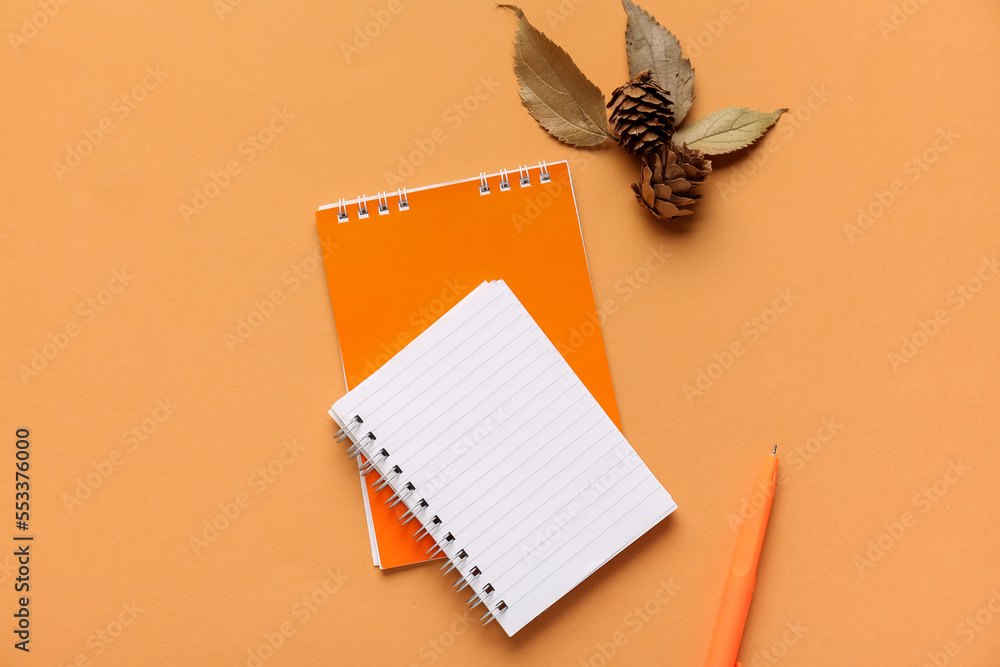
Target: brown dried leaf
x=653, y=47
x=554, y=90
x=726, y=130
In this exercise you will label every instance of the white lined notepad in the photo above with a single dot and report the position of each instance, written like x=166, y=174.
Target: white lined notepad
x=500, y=453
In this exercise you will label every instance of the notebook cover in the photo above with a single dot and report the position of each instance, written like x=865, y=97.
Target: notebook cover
x=390, y=276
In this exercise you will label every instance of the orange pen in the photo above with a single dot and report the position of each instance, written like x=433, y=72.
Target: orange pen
x=743, y=573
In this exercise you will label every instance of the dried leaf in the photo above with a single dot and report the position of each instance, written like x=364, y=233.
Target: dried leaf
x=726, y=130
x=653, y=47
x=554, y=90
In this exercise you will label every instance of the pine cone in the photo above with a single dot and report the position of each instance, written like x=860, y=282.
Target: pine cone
x=641, y=117
x=670, y=179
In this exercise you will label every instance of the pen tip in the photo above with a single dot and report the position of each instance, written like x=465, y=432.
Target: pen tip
x=774, y=451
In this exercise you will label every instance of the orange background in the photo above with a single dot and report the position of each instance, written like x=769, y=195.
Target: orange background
x=865, y=100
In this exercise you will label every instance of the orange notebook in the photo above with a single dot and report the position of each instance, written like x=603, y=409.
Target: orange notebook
x=398, y=261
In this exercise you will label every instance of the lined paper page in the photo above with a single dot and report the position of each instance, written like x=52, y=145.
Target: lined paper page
x=506, y=447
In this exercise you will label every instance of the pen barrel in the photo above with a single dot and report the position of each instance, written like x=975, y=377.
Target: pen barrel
x=729, y=627
x=743, y=571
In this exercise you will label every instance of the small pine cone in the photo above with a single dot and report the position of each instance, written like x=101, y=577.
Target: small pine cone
x=641, y=117
x=670, y=180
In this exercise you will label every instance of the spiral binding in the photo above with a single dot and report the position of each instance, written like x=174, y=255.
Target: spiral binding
x=433, y=551
x=348, y=427
x=544, y=175
x=397, y=497
x=467, y=579
x=379, y=460
x=524, y=178
x=426, y=528
x=368, y=467
x=355, y=450
x=360, y=445
x=403, y=203
x=383, y=481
